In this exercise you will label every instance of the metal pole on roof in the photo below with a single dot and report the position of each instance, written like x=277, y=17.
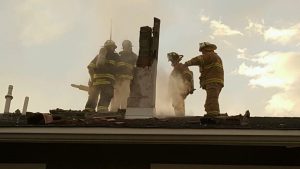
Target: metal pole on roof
x=25, y=106
x=110, y=35
x=8, y=99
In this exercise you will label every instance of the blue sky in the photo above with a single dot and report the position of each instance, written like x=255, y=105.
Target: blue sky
x=46, y=45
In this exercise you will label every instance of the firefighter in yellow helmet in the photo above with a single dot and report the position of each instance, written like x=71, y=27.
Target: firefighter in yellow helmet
x=102, y=70
x=181, y=83
x=124, y=76
x=212, y=76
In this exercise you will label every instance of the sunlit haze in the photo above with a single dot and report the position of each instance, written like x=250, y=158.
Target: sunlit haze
x=45, y=45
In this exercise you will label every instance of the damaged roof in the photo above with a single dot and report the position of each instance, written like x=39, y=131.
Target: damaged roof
x=278, y=131
x=185, y=122
x=76, y=119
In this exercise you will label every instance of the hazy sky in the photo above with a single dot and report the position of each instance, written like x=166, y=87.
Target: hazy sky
x=45, y=45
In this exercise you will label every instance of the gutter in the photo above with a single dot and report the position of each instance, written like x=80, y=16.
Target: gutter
x=96, y=135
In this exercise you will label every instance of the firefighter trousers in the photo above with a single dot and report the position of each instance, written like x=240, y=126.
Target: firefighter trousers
x=213, y=91
x=178, y=104
x=121, y=94
x=106, y=93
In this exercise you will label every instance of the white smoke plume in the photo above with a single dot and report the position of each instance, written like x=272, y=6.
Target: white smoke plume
x=166, y=94
x=163, y=101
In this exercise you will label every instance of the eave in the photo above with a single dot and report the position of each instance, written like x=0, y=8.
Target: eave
x=100, y=135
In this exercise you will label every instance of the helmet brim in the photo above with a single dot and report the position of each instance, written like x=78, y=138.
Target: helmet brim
x=110, y=45
x=209, y=47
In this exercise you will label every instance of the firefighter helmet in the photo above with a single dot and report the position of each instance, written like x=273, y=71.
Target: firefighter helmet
x=173, y=56
x=207, y=46
x=126, y=43
x=110, y=43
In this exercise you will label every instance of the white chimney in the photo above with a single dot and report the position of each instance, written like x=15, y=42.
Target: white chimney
x=25, y=105
x=8, y=98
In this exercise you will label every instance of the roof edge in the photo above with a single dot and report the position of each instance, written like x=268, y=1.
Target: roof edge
x=288, y=138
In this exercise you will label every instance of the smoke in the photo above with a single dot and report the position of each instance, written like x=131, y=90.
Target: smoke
x=164, y=92
x=163, y=101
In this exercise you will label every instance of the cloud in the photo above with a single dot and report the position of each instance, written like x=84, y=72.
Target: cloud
x=242, y=50
x=285, y=102
x=280, y=103
x=255, y=27
x=272, y=69
x=252, y=71
x=278, y=70
x=220, y=29
x=204, y=18
x=276, y=35
x=283, y=36
x=43, y=21
x=241, y=53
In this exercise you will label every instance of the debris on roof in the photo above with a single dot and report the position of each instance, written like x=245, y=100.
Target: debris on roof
x=76, y=119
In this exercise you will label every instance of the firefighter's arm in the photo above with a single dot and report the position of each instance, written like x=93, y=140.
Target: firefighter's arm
x=91, y=73
x=196, y=61
x=117, y=66
x=92, y=64
x=101, y=57
x=189, y=81
x=91, y=68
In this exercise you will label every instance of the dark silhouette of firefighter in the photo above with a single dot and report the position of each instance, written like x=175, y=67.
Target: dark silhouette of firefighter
x=212, y=76
x=102, y=70
x=124, y=76
x=181, y=83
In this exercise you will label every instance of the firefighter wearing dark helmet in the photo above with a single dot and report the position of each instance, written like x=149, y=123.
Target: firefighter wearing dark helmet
x=102, y=70
x=212, y=76
x=181, y=83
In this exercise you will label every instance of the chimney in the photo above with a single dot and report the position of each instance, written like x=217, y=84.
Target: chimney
x=8, y=98
x=141, y=103
x=25, y=105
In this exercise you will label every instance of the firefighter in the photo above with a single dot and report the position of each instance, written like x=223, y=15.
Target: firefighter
x=102, y=70
x=212, y=76
x=125, y=67
x=181, y=83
